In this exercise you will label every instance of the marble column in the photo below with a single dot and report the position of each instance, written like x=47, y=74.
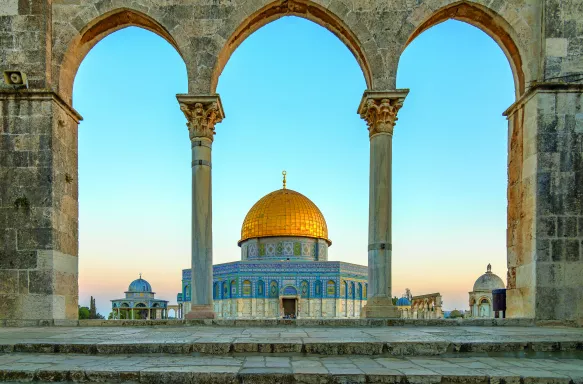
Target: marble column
x=379, y=110
x=202, y=113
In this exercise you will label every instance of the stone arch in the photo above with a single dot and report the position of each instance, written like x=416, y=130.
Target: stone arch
x=301, y=8
x=484, y=307
x=488, y=21
x=95, y=31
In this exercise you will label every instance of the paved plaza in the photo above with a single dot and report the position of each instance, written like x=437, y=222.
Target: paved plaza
x=286, y=369
x=292, y=354
x=395, y=341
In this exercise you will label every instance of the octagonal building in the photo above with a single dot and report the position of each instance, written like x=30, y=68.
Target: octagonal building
x=284, y=270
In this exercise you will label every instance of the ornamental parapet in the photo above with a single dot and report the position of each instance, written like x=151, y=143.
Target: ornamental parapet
x=203, y=112
x=379, y=110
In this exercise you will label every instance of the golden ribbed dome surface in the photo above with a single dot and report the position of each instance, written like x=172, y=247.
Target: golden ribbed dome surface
x=284, y=213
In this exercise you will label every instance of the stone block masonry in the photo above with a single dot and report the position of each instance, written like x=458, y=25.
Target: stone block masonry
x=38, y=135
x=38, y=207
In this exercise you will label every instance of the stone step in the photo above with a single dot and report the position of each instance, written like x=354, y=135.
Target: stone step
x=387, y=341
x=324, y=347
x=18, y=367
x=299, y=323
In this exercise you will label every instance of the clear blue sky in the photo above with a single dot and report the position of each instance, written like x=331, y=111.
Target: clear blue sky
x=290, y=93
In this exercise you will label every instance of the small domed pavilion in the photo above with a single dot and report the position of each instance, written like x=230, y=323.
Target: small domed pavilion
x=481, y=296
x=284, y=270
x=140, y=303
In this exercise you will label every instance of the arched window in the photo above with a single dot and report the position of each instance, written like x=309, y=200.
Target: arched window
x=343, y=289
x=365, y=291
x=305, y=289
x=225, y=290
x=233, y=288
x=273, y=289
x=331, y=289
x=260, y=288
x=318, y=288
x=216, y=291
x=187, y=291
x=359, y=291
x=351, y=290
x=247, y=288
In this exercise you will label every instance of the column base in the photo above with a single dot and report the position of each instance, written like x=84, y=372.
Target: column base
x=380, y=308
x=200, y=312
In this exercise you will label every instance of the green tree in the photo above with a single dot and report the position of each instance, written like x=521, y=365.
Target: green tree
x=395, y=300
x=84, y=313
x=455, y=314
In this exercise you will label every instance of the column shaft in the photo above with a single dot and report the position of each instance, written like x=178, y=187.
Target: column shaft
x=202, y=113
x=379, y=109
x=202, y=236
x=380, y=204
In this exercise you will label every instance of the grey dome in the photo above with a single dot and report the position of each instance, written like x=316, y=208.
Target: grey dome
x=140, y=285
x=488, y=281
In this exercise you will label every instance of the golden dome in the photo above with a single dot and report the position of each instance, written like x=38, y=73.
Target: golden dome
x=284, y=213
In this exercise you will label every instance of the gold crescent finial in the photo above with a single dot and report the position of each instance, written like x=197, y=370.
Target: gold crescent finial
x=284, y=173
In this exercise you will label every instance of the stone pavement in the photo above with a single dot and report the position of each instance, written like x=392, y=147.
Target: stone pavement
x=285, y=369
x=389, y=341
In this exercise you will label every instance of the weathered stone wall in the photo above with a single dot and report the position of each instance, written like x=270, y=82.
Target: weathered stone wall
x=25, y=37
x=545, y=170
x=48, y=40
x=38, y=207
x=546, y=250
x=563, y=37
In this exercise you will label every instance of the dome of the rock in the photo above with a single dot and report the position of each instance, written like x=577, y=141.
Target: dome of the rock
x=284, y=213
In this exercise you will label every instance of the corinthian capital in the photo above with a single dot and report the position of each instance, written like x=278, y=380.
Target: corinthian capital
x=379, y=110
x=202, y=113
